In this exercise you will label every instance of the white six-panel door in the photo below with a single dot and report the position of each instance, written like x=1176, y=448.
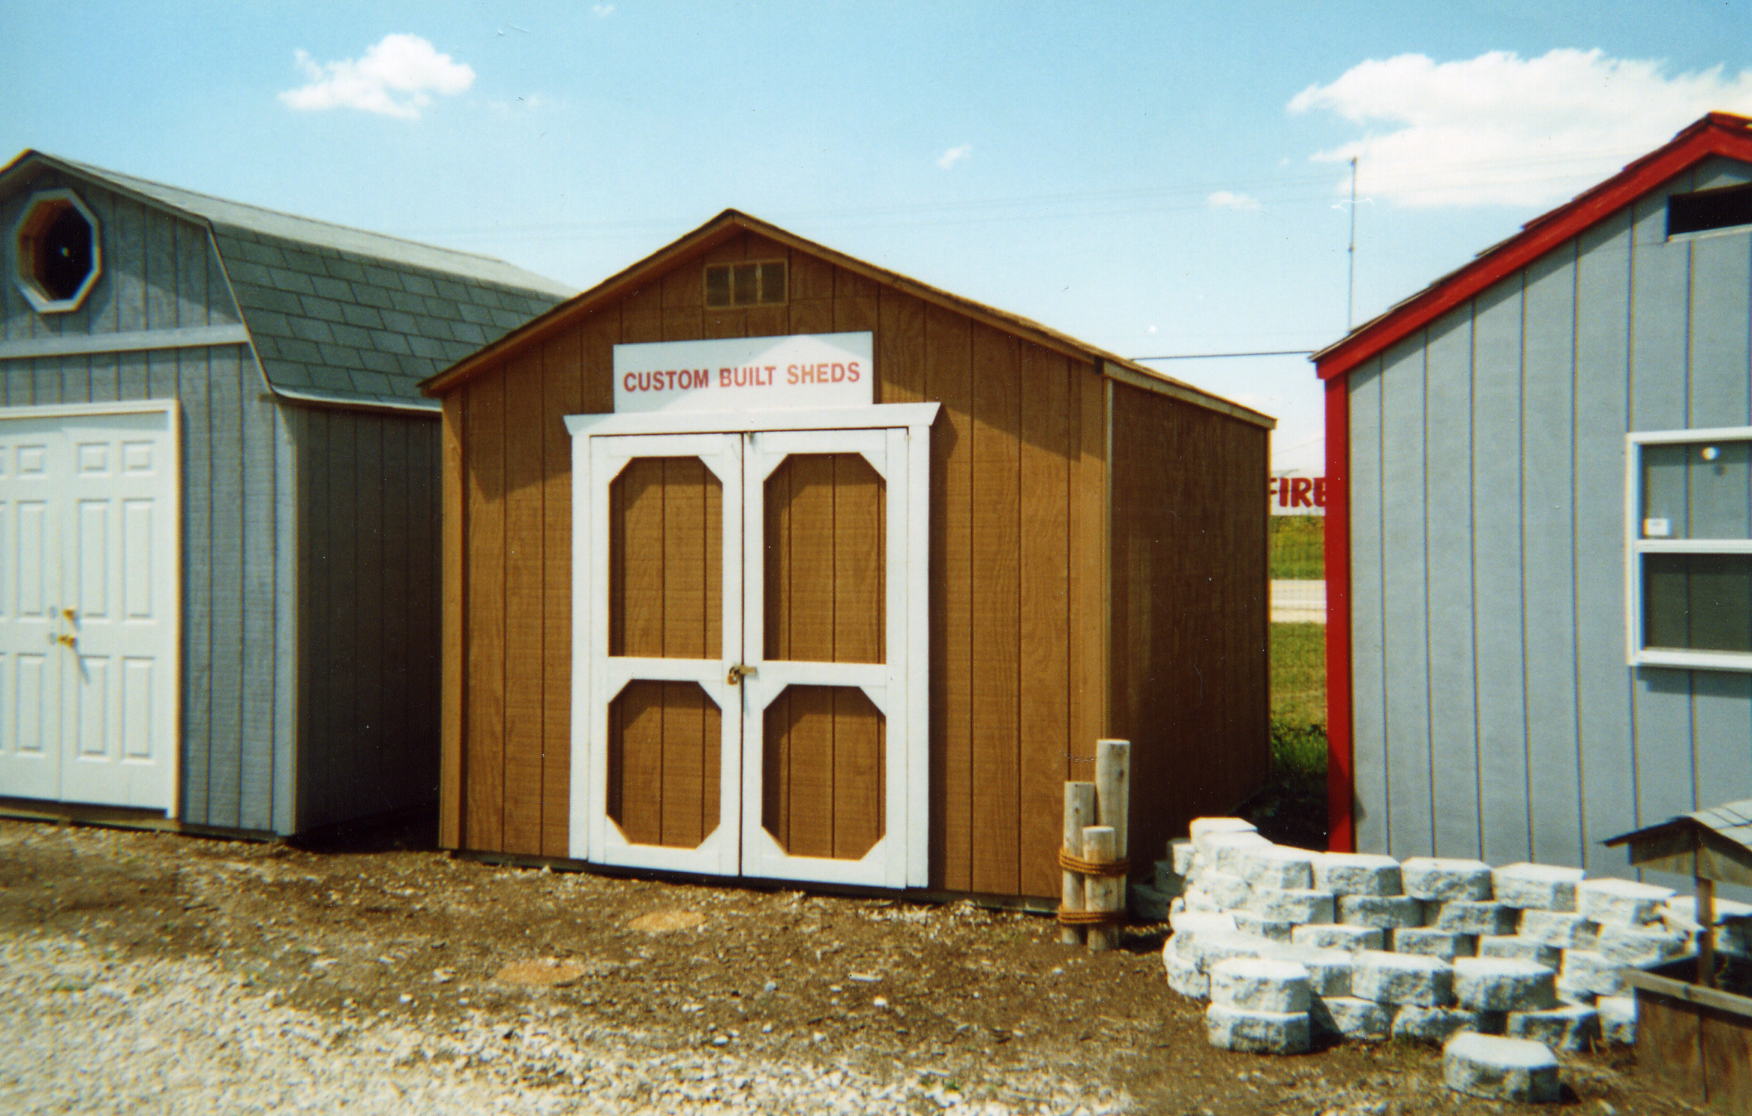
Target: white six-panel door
x=89, y=604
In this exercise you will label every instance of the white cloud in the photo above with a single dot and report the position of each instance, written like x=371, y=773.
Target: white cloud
x=1500, y=129
x=396, y=76
x=955, y=155
x=602, y=11
x=1228, y=199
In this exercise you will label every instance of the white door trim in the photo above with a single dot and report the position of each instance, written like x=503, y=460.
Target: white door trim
x=902, y=694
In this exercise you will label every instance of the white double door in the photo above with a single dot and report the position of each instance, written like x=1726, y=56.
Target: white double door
x=750, y=648
x=88, y=604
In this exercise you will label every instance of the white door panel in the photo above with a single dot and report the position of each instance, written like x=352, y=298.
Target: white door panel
x=88, y=622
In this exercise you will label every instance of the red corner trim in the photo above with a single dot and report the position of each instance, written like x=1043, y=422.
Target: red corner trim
x=1719, y=133
x=1340, y=776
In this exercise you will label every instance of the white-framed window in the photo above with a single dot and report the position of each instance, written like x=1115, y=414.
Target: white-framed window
x=1689, y=548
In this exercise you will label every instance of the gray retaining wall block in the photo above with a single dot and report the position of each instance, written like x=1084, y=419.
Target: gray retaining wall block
x=1384, y=911
x=1257, y=1032
x=1500, y=984
x=1228, y=852
x=1501, y=1068
x=1572, y=1027
x=1591, y=972
x=1431, y=942
x=1180, y=852
x=1197, y=898
x=1206, y=836
x=1190, y=923
x=1518, y=948
x=1260, y=984
x=1440, y=877
x=1402, y=978
x=1292, y=906
x=1278, y=866
x=1357, y=874
x=1226, y=889
x=1351, y=1018
x=1564, y=929
x=1337, y=936
x=1621, y=902
x=1211, y=949
x=1329, y=970
x=1617, y=1019
x=1642, y=945
x=1435, y=1025
x=1278, y=930
x=1472, y=916
x=1184, y=974
x=1536, y=885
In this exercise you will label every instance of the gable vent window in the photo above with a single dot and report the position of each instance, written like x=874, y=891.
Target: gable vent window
x=1729, y=207
x=56, y=258
x=745, y=284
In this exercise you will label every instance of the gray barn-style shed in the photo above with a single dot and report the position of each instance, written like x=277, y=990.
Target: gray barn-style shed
x=1539, y=527
x=219, y=501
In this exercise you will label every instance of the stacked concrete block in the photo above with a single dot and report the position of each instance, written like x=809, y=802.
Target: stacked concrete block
x=1259, y=1005
x=1500, y=984
x=1420, y=949
x=1617, y=1019
x=1569, y=1027
x=1501, y=1068
x=1357, y=874
x=1385, y=912
x=1517, y=948
x=1541, y=886
x=1350, y=1017
x=1431, y=942
x=1444, y=878
x=1338, y=936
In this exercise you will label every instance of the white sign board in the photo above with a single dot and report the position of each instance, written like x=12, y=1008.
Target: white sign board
x=746, y=373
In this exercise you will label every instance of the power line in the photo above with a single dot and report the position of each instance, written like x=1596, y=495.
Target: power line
x=1223, y=356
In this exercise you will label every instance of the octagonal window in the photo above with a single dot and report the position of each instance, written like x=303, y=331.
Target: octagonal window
x=56, y=255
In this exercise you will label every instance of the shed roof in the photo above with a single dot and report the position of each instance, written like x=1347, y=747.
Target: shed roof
x=732, y=222
x=339, y=314
x=1715, y=842
x=1718, y=133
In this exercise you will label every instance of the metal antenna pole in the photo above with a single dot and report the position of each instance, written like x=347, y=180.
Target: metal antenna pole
x=1350, y=298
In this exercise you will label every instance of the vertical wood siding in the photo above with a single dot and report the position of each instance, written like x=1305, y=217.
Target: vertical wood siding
x=1495, y=715
x=366, y=493
x=1018, y=626
x=1188, y=582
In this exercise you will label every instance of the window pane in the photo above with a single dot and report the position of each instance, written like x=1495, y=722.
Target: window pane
x=1698, y=602
x=1697, y=490
x=746, y=284
x=718, y=285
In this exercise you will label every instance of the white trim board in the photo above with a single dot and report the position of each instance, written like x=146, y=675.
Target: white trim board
x=144, y=340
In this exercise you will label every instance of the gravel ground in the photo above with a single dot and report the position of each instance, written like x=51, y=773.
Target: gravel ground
x=153, y=973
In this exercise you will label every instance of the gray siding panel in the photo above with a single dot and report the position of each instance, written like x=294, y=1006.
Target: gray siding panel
x=1548, y=533
x=1448, y=526
x=1370, y=759
x=225, y=576
x=1405, y=597
x=1497, y=570
x=1603, y=690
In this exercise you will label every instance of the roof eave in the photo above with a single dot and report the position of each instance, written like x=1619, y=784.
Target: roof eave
x=1716, y=134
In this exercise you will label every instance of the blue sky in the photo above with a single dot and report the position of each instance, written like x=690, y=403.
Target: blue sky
x=1157, y=178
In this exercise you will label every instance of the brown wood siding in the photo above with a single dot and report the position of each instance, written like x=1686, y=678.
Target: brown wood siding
x=1188, y=669
x=824, y=569
x=1018, y=637
x=665, y=548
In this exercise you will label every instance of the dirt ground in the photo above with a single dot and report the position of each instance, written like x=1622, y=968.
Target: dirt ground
x=947, y=1006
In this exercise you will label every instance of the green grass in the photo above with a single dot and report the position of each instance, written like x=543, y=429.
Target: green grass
x=1291, y=809
x=1296, y=550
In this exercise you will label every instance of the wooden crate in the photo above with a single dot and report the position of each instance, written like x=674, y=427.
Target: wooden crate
x=1695, y=1041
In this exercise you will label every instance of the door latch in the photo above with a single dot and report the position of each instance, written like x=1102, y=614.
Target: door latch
x=66, y=640
x=739, y=672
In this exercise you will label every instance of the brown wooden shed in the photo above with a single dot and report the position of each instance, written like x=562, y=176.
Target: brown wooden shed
x=870, y=568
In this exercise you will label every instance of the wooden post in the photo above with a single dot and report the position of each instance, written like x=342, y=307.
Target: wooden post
x=1079, y=812
x=1105, y=893
x=1705, y=912
x=1112, y=809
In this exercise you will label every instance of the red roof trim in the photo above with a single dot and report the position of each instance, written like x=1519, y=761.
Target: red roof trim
x=1719, y=133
